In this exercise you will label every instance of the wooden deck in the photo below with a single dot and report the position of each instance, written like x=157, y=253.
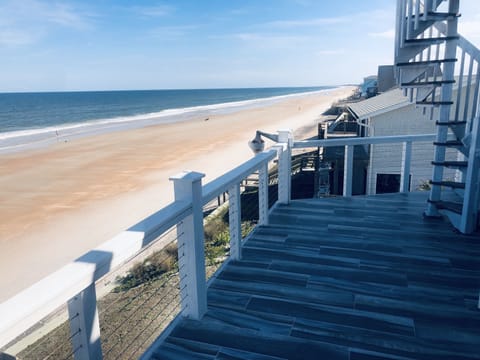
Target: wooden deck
x=343, y=278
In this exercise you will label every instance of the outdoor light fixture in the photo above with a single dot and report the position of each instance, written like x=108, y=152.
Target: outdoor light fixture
x=258, y=144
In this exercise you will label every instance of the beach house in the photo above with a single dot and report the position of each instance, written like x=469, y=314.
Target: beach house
x=385, y=276
x=389, y=114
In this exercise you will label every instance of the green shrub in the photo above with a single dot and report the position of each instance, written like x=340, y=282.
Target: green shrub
x=217, y=244
x=153, y=267
x=217, y=247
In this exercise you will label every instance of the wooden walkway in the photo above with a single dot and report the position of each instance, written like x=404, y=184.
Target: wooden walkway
x=343, y=278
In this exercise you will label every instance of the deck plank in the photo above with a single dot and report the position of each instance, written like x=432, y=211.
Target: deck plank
x=355, y=278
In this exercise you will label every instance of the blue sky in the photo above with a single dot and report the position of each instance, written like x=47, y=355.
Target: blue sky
x=117, y=44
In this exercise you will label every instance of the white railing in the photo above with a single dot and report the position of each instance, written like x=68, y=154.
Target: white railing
x=74, y=284
x=349, y=144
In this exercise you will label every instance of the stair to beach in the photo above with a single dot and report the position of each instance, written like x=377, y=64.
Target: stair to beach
x=438, y=70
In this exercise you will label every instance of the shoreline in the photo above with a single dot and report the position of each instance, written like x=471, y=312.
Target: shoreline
x=60, y=201
x=37, y=138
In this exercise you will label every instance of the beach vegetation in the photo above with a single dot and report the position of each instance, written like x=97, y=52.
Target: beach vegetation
x=217, y=238
x=153, y=267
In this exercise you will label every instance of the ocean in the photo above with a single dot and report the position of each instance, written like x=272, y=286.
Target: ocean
x=37, y=119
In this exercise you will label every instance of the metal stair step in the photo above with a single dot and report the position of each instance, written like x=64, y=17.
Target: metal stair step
x=426, y=62
x=429, y=41
x=437, y=16
x=417, y=84
x=451, y=123
x=451, y=164
x=448, y=205
x=452, y=143
x=434, y=103
x=459, y=145
x=451, y=184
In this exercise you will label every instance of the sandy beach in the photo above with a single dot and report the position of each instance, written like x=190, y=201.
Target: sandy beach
x=58, y=202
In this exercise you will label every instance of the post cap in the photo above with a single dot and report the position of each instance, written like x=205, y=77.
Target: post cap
x=187, y=175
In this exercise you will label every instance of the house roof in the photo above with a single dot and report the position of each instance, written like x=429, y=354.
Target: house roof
x=389, y=100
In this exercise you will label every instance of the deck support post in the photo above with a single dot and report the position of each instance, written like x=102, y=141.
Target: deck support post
x=405, y=171
x=348, y=170
x=235, y=222
x=84, y=325
x=191, y=253
x=263, y=195
x=285, y=138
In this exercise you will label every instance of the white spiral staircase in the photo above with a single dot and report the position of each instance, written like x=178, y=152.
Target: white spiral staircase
x=438, y=69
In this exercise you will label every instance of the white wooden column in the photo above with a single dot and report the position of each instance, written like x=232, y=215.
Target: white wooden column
x=235, y=222
x=263, y=195
x=405, y=171
x=191, y=253
x=348, y=170
x=285, y=166
x=84, y=325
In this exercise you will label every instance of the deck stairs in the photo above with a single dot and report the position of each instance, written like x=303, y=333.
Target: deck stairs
x=438, y=69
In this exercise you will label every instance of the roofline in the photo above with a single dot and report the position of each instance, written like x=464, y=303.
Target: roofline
x=381, y=111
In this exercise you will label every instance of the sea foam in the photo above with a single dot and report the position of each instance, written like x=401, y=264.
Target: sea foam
x=12, y=141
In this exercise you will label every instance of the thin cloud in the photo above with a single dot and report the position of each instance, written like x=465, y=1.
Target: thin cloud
x=12, y=37
x=171, y=32
x=306, y=22
x=66, y=16
x=269, y=39
x=389, y=34
x=304, y=2
x=26, y=22
x=331, y=52
x=154, y=11
x=239, y=11
x=360, y=17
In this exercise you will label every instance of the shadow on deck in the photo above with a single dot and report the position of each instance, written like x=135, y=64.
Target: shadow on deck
x=343, y=278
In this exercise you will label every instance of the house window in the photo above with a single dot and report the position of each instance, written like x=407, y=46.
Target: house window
x=389, y=183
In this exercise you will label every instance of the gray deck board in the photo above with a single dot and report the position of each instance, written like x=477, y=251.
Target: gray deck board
x=343, y=278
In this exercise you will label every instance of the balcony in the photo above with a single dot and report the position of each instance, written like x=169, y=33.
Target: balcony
x=353, y=277
x=342, y=278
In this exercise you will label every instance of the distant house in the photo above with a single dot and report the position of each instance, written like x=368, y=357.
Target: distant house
x=391, y=114
x=386, y=78
x=369, y=87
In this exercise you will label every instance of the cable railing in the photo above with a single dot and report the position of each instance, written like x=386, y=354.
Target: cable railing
x=87, y=334
x=349, y=143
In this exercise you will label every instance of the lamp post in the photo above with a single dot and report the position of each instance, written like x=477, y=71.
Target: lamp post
x=284, y=139
x=258, y=144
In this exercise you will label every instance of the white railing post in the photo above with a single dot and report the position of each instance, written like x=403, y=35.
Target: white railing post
x=348, y=170
x=405, y=171
x=285, y=167
x=263, y=194
x=235, y=221
x=191, y=253
x=84, y=325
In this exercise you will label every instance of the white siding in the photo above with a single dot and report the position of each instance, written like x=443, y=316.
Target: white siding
x=387, y=159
